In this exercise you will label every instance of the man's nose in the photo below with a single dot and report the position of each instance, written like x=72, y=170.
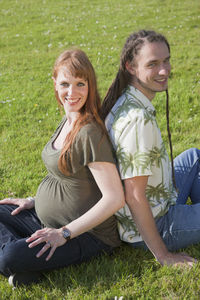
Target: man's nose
x=164, y=69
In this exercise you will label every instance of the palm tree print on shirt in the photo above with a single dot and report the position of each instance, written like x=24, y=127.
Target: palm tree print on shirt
x=140, y=151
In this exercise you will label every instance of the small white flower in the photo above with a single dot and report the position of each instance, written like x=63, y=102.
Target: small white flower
x=47, y=32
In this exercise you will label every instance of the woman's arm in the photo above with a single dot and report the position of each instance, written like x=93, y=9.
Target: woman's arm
x=109, y=183
x=139, y=206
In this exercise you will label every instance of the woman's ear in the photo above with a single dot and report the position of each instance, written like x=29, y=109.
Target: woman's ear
x=54, y=82
x=130, y=68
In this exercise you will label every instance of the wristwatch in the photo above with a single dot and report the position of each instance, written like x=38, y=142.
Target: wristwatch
x=66, y=233
x=31, y=199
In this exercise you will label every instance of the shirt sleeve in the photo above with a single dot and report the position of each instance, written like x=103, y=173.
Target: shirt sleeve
x=135, y=145
x=91, y=145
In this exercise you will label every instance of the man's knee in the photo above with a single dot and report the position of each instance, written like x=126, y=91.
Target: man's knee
x=193, y=152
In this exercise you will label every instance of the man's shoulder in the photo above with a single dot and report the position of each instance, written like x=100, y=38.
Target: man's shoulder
x=130, y=101
x=130, y=113
x=131, y=108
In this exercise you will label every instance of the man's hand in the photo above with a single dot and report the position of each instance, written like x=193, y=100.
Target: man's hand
x=178, y=259
x=22, y=203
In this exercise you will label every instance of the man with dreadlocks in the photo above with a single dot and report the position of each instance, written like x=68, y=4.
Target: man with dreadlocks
x=156, y=215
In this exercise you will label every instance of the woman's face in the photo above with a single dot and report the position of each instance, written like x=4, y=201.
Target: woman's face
x=72, y=91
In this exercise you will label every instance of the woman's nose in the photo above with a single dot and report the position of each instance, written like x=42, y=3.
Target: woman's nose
x=71, y=91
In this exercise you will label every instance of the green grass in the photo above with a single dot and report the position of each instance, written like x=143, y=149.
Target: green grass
x=33, y=33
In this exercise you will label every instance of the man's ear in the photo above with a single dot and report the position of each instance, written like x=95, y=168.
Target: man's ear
x=54, y=82
x=130, y=68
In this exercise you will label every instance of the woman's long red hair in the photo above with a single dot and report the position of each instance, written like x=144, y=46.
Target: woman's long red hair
x=77, y=63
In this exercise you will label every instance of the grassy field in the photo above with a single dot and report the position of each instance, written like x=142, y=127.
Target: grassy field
x=32, y=34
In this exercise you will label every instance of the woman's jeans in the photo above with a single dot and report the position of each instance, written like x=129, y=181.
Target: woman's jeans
x=16, y=256
x=180, y=226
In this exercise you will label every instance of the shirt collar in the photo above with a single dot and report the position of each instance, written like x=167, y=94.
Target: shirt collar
x=141, y=97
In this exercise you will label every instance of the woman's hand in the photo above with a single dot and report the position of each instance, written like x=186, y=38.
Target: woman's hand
x=51, y=236
x=22, y=203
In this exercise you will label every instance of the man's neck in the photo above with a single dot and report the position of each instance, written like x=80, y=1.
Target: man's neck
x=146, y=92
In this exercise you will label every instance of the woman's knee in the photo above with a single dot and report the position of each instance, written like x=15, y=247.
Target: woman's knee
x=7, y=258
x=5, y=211
x=11, y=255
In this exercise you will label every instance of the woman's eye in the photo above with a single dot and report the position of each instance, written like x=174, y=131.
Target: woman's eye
x=64, y=84
x=81, y=84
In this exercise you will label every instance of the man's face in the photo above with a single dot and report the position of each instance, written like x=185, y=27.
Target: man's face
x=151, y=68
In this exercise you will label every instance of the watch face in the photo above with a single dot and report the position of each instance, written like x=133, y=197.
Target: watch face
x=66, y=233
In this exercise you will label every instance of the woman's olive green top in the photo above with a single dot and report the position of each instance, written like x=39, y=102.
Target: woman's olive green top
x=61, y=199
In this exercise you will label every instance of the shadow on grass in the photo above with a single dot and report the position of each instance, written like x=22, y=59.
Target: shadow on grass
x=104, y=271
x=107, y=270
x=131, y=273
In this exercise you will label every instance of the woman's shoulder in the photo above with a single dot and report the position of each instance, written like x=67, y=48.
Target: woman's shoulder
x=91, y=128
x=94, y=134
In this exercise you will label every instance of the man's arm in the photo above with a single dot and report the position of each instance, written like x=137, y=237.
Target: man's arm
x=139, y=206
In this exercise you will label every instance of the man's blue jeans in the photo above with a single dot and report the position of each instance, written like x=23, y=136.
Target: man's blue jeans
x=180, y=227
x=15, y=256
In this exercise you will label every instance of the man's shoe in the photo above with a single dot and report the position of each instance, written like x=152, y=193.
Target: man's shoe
x=24, y=278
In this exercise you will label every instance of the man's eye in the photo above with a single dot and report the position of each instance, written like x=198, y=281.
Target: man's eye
x=167, y=60
x=152, y=64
